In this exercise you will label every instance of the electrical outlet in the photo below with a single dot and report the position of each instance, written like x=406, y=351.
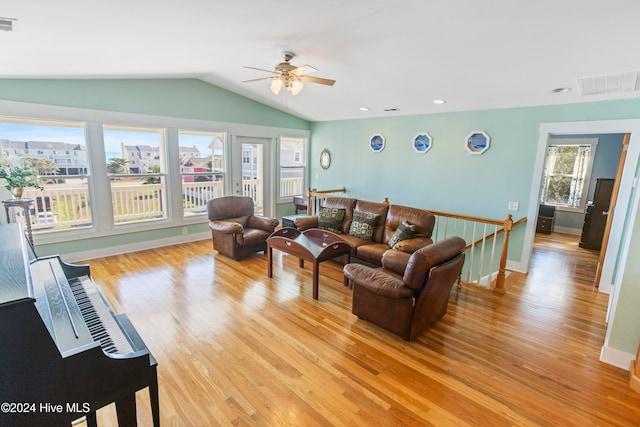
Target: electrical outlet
x=185, y=230
x=513, y=206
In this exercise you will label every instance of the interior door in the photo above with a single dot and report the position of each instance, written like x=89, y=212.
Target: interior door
x=252, y=172
x=614, y=199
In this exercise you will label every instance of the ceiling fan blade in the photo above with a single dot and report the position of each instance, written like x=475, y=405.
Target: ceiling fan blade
x=305, y=69
x=319, y=80
x=255, y=80
x=259, y=69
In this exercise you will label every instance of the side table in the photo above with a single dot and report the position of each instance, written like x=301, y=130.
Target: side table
x=25, y=204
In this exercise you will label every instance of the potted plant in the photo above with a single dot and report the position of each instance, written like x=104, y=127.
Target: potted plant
x=16, y=174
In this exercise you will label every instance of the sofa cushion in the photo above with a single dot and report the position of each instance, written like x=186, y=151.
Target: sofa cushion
x=375, y=208
x=363, y=224
x=342, y=203
x=403, y=232
x=371, y=252
x=331, y=219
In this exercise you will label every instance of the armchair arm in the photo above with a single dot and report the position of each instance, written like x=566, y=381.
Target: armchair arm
x=413, y=244
x=306, y=222
x=396, y=261
x=377, y=281
x=227, y=227
x=262, y=223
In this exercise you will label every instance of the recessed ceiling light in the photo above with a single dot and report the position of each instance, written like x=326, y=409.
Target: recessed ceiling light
x=561, y=90
x=364, y=108
x=439, y=101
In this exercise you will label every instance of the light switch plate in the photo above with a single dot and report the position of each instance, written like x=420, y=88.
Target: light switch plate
x=513, y=206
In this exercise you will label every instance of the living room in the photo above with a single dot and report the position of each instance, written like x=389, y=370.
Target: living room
x=446, y=178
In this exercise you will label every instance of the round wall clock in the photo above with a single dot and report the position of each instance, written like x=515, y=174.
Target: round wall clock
x=325, y=159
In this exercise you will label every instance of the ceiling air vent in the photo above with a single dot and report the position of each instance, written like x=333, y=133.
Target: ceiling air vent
x=6, y=24
x=609, y=83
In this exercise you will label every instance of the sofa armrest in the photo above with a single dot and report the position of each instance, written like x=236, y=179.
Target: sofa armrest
x=377, y=281
x=306, y=222
x=226, y=227
x=262, y=223
x=411, y=245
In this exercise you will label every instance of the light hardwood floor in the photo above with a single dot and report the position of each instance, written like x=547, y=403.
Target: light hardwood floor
x=237, y=348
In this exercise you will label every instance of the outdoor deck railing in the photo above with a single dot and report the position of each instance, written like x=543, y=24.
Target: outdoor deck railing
x=69, y=206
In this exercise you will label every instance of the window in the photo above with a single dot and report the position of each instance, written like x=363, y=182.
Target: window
x=567, y=168
x=138, y=188
x=201, y=157
x=64, y=201
x=292, y=167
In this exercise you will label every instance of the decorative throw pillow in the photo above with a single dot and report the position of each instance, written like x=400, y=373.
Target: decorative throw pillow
x=363, y=225
x=403, y=232
x=330, y=219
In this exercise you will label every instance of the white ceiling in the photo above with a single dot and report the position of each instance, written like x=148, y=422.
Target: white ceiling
x=476, y=54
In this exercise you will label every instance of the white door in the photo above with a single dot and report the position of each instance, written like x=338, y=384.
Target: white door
x=252, y=172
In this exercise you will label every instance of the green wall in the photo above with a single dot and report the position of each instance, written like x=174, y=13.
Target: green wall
x=624, y=325
x=184, y=98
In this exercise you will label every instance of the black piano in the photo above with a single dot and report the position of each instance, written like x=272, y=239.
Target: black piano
x=63, y=352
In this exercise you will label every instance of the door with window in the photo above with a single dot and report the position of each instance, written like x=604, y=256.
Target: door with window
x=252, y=172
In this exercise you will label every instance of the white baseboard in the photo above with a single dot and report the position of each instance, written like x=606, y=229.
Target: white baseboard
x=515, y=266
x=139, y=246
x=616, y=358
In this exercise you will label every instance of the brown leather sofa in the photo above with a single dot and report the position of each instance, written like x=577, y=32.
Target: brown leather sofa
x=235, y=230
x=370, y=252
x=407, y=299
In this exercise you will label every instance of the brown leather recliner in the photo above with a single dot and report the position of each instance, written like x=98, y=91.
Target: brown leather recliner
x=235, y=230
x=410, y=301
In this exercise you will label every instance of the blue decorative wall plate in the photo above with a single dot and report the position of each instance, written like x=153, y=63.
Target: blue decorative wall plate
x=377, y=142
x=422, y=142
x=477, y=142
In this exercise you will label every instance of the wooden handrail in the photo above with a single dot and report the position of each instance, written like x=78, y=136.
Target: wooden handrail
x=497, y=233
x=320, y=193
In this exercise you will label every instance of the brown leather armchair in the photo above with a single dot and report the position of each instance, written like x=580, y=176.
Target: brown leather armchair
x=235, y=230
x=407, y=298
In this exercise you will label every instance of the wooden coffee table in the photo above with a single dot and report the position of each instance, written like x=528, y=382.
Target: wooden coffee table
x=313, y=245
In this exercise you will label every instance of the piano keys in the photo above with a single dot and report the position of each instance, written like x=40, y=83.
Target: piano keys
x=63, y=352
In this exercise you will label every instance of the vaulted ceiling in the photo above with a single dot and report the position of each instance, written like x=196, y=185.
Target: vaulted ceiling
x=384, y=54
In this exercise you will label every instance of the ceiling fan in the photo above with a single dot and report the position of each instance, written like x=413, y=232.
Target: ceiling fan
x=289, y=76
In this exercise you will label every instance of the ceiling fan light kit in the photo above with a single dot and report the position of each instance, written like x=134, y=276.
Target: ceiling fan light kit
x=291, y=77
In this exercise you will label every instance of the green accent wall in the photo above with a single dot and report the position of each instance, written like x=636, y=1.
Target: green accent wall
x=624, y=326
x=184, y=98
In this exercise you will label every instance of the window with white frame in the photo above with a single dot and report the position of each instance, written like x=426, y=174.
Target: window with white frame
x=293, y=167
x=136, y=170
x=201, y=157
x=567, y=172
x=62, y=202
